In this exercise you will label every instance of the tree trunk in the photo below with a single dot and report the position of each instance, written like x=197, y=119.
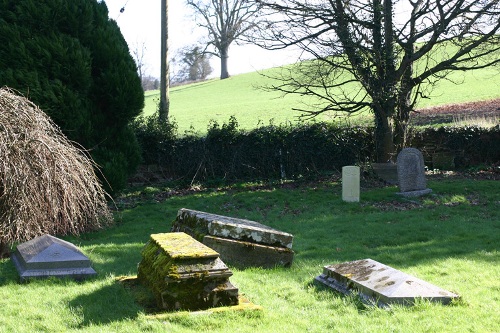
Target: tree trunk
x=384, y=141
x=401, y=125
x=224, y=55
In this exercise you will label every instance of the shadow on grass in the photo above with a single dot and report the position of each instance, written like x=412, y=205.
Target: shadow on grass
x=8, y=272
x=110, y=303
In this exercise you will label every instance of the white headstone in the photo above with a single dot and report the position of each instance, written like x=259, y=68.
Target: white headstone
x=350, y=184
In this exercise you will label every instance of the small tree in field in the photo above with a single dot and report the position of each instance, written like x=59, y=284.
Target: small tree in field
x=380, y=55
x=194, y=64
x=46, y=184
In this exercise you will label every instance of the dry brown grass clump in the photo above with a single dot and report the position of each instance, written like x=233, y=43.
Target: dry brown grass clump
x=47, y=185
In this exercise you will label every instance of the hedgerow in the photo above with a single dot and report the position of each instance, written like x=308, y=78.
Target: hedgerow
x=293, y=151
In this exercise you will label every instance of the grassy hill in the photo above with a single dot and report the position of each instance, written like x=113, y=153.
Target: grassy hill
x=193, y=106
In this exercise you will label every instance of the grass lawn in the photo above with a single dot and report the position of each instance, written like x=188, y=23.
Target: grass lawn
x=449, y=238
x=193, y=106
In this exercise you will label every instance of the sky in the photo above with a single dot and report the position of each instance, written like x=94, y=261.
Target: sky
x=140, y=25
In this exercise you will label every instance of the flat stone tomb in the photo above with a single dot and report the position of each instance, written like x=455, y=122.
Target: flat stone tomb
x=380, y=284
x=47, y=256
x=240, y=242
x=183, y=273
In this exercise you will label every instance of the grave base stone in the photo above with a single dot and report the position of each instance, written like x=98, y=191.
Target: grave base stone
x=47, y=256
x=244, y=254
x=388, y=172
x=380, y=284
x=183, y=273
x=418, y=193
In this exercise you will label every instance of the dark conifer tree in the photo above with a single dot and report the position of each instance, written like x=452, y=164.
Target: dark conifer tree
x=70, y=59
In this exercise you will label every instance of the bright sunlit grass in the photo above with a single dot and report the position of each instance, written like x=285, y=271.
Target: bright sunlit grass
x=449, y=238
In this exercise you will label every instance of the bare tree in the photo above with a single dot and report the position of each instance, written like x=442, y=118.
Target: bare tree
x=225, y=21
x=193, y=64
x=381, y=55
x=148, y=82
x=138, y=53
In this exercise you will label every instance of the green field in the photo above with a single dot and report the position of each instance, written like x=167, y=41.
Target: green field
x=449, y=239
x=194, y=105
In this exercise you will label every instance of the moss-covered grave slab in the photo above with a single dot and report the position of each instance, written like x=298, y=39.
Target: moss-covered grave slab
x=183, y=273
x=240, y=242
x=381, y=284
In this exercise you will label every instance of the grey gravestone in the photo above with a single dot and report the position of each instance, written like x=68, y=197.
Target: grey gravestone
x=183, y=273
x=47, y=256
x=380, y=284
x=411, y=173
x=240, y=242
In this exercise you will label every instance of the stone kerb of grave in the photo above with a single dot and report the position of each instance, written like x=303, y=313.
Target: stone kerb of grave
x=182, y=273
x=47, y=256
x=411, y=173
x=382, y=285
x=240, y=242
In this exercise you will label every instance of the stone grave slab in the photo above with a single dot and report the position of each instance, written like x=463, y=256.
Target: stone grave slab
x=245, y=254
x=47, y=256
x=350, y=184
x=411, y=173
x=234, y=228
x=183, y=273
x=381, y=284
x=240, y=242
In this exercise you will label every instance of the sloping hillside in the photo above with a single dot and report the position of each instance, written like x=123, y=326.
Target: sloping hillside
x=195, y=105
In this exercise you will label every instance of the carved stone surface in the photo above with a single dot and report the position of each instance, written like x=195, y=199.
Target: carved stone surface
x=47, y=256
x=411, y=173
x=233, y=228
x=271, y=247
x=183, y=273
x=380, y=284
x=350, y=183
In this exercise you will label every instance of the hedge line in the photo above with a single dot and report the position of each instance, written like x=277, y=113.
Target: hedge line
x=286, y=151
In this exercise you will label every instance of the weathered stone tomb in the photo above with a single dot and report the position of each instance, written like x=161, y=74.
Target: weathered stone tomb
x=379, y=284
x=240, y=242
x=182, y=273
x=46, y=256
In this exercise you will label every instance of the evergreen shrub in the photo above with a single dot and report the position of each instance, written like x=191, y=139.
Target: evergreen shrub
x=72, y=61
